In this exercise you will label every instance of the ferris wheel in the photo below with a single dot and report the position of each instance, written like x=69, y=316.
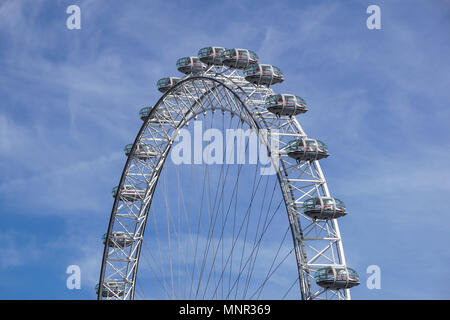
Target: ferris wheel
x=215, y=226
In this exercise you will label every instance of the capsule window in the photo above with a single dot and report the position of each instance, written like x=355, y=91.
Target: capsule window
x=163, y=82
x=183, y=62
x=293, y=145
x=272, y=100
x=144, y=112
x=231, y=53
x=322, y=273
x=308, y=204
x=322, y=146
x=277, y=71
x=300, y=101
x=266, y=69
x=342, y=274
x=290, y=99
x=252, y=70
x=353, y=274
x=339, y=204
x=253, y=55
x=243, y=53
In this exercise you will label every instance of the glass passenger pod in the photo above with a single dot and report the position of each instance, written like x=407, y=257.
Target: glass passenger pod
x=239, y=58
x=336, y=278
x=263, y=74
x=111, y=289
x=157, y=117
x=285, y=104
x=189, y=65
x=211, y=55
x=144, y=112
x=129, y=193
x=324, y=208
x=142, y=152
x=306, y=149
x=118, y=239
x=165, y=84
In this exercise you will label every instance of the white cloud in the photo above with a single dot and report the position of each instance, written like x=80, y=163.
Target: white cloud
x=18, y=251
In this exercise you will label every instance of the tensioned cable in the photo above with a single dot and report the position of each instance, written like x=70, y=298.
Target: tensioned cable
x=282, y=261
x=252, y=266
x=226, y=218
x=274, y=260
x=262, y=234
x=209, y=231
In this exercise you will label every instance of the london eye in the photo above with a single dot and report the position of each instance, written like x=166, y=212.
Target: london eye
x=214, y=225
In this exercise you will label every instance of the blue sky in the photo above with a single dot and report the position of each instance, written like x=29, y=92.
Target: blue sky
x=69, y=102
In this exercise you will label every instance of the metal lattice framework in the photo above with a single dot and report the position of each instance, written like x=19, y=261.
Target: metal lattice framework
x=316, y=243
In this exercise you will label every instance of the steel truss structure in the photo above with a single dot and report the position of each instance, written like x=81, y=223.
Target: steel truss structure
x=316, y=243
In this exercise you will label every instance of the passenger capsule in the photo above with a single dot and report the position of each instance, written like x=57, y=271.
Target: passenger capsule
x=129, y=193
x=189, y=65
x=144, y=112
x=263, y=74
x=239, y=58
x=165, y=84
x=336, y=278
x=306, y=149
x=211, y=55
x=142, y=152
x=285, y=104
x=111, y=289
x=118, y=239
x=156, y=117
x=324, y=208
